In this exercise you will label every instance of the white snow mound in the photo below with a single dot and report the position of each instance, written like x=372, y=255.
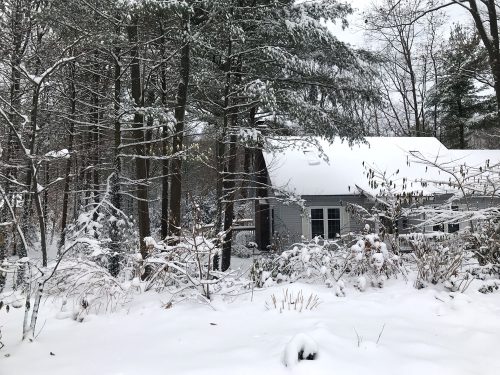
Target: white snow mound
x=300, y=347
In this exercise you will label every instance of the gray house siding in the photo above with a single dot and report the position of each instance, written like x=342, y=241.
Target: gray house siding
x=286, y=222
x=290, y=221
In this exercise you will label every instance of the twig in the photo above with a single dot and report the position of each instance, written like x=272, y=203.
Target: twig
x=380, y=334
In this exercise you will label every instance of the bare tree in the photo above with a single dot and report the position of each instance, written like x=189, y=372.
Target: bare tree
x=402, y=38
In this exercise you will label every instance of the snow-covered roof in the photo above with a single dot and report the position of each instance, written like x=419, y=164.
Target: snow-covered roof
x=336, y=168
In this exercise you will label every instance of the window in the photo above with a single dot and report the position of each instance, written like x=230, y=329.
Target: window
x=438, y=228
x=325, y=219
x=452, y=228
x=317, y=223
x=333, y=222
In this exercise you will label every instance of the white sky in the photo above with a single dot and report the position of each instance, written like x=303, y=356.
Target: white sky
x=354, y=33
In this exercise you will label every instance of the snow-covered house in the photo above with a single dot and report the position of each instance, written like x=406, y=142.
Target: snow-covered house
x=311, y=182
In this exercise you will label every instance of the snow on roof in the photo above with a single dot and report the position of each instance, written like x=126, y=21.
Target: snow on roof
x=336, y=168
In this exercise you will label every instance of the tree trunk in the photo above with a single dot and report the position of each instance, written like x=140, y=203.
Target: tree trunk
x=114, y=264
x=221, y=155
x=247, y=159
x=229, y=176
x=95, y=134
x=138, y=135
x=46, y=181
x=67, y=174
x=165, y=131
x=229, y=194
x=177, y=143
x=15, y=102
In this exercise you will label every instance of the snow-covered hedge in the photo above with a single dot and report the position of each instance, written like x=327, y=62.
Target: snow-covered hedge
x=363, y=257
x=449, y=260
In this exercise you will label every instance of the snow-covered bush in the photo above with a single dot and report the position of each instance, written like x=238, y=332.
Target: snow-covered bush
x=315, y=261
x=243, y=251
x=437, y=261
x=329, y=261
x=370, y=258
x=187, y=268
x=185, y=265
x=490, y=286
x=484, y=242
x=265, y=270
x=473, y=188
x=86, y=283
x=102, y=237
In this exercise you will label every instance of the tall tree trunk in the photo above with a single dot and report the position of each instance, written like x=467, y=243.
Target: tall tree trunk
x=149, y=131
x=95, y=134
x=10, y=153
x=67, y=173
x=177, y=143
x=165, y=162
x=20, y=30
x=29, y=172
x=230, y=174
x=138, y=135
x=247, y=159
x=221, y=153
x=114, y=264
x=46, y=181
x=33, y=185
x=229, y=194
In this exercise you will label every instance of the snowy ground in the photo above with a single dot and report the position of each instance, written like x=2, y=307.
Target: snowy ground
x=426, y=332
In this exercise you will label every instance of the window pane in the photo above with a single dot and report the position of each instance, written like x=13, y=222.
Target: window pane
x=333, y=228
x=452, y=228
x=317, y=213
x=333, y=213
x=438, y=228
x=317, y=228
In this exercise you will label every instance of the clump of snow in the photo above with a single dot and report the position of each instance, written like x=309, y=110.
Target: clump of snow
x=301, y=347
x=340, y=289
x=61, y=154
x=378, y=260
x=361, y=283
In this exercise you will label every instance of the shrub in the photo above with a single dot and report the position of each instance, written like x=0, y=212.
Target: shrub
x=329, y=261
x=438, y=260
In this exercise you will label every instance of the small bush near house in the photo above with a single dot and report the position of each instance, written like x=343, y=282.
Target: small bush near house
x=455, y=260
x=485, y=244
